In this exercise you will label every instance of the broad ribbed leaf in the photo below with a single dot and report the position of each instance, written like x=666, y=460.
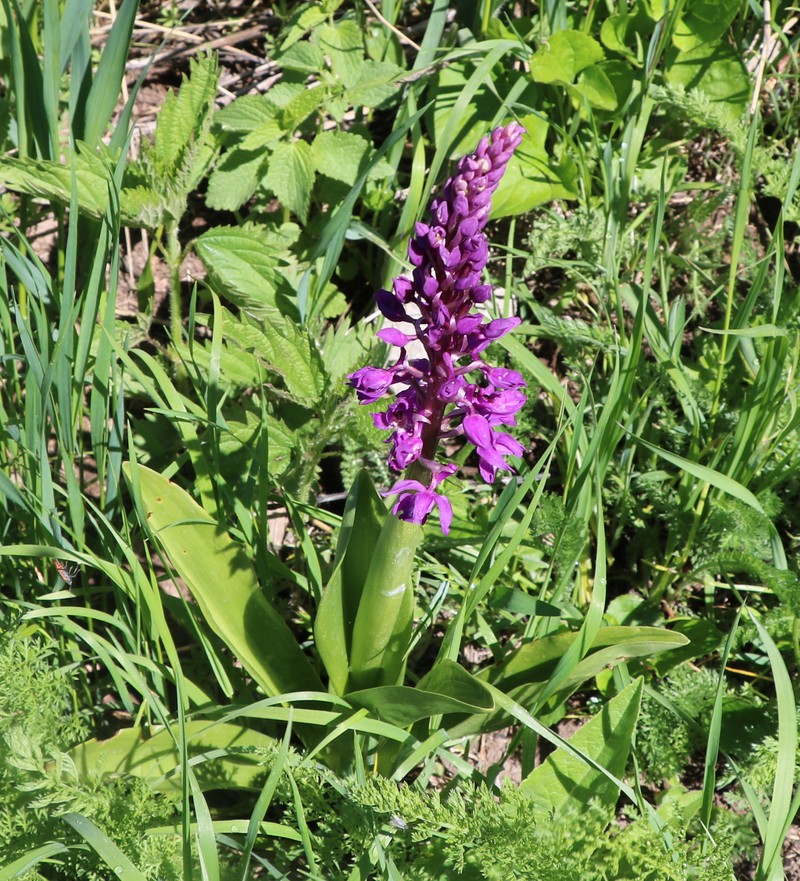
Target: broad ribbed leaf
x=221, y=579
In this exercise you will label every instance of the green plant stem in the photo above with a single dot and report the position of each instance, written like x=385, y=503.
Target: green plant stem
x=173, y=255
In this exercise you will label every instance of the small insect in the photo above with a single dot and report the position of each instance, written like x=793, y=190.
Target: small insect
x=398, y=822
x=66, y=573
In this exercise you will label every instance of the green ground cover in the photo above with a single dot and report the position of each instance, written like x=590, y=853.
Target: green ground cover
x=210, y=665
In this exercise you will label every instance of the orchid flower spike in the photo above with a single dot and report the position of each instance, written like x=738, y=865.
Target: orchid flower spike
x=436, y=399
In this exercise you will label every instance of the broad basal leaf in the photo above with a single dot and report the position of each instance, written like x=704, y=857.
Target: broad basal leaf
x=155, y=757
x=343, y=44
x=564, y=781
x=448, y=688
x=563, y=56
x=223, y=582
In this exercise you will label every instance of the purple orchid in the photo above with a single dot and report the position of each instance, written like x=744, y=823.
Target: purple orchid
x=448, y=254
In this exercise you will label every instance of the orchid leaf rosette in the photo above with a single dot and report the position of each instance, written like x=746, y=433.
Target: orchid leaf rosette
x=449, y=391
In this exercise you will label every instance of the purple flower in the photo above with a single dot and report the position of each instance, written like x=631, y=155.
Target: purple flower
x=439, y=401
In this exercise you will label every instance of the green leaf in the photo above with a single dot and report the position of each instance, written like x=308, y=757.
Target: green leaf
x=703, y=21
x=761, y=330
x=291, y=176
x=375, y=84
x=286, y=350
x=363, y=518
x=301, y=106
x=717, y=70
x=565, y=782
x=105, y=89
x=563, y=56
x=524, y=674
x=246, y=113
x=142, y=207
x=595, y=87
x=708, y=475
x=53, y=181
x=183, y=122
x=234, y=180
x=530, y=179
x=244, y=265
x=304, y=18
x=448, y=688
x=304, y=58
x=264, y=135
x=103, y=846
x=156, y=759
x=221, y=579
x=343, y=45
x=383, y=623
x=344, y=155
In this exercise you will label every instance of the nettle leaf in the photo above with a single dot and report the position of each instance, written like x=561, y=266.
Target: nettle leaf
x=303, y=58
x=563, y=56
x=291, y=176
x=141, y=207
x=376, y=83
x=306, y=17
x=343, y=155
x=343, y=45
x=717, y=70
x=53, y=181
x=301, y=106
x=704, y=21
x=243, y=263
x=268, y=132
x=285, y=350
x=246, y=113
x=235, y=179
x=530, y=179
x=183, y=123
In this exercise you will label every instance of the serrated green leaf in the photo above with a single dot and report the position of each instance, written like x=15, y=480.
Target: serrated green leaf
x=563, y=56
x=246, y=113
x=53, y=181
x=375, y=84
x=563, y=781
x=222, y=581
x=286, y=350
x=291, y=176
x=304, y=18
x=184, y=116
x=141, y=207
x=268, y=132
x=304, y=58
x=301, y=106
x=343, y=45
x=234, y=180
x=243, y=264
x=343, y=155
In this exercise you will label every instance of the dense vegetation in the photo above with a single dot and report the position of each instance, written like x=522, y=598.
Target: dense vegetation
x=596, y=675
